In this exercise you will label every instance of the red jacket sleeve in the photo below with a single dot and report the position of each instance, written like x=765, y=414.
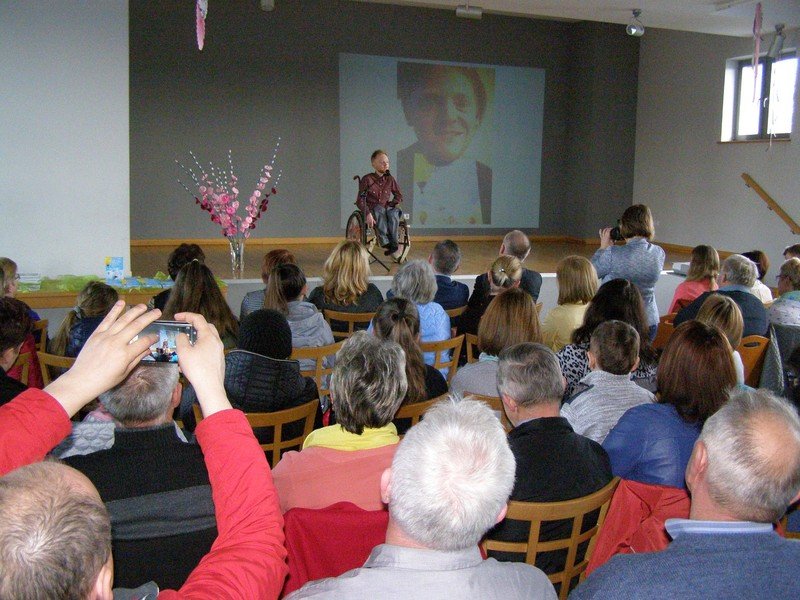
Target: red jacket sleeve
x=31, y=425
x=247, y=560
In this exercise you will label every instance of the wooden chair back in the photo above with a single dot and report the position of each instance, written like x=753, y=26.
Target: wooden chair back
x=320, y=373
x=753, y=351
x=576, y=510
x=350, y=318
x=276, y=421
x=666, y=325
x=496, y=404
x=40, y=326
x=53, y=365
x=416, y=410
x=443, y=360
x=24, y=360
x=456, y=312
x=472, y=348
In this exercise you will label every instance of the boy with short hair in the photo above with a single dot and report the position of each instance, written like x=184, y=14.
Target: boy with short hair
x=608, y=391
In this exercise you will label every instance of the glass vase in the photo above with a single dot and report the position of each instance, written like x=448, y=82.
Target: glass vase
x=237, y=257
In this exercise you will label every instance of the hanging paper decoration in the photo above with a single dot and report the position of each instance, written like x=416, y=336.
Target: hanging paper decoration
x=756, y=49
x=201, y=11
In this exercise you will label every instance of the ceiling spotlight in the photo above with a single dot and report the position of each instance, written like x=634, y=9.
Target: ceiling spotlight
x=635, y=27
x=777, y=44
x=465, y=11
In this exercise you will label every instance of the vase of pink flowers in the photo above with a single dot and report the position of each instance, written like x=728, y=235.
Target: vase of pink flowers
x=218, y=194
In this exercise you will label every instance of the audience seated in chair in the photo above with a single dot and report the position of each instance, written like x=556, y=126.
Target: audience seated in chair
x=197, y=291
x=760, y=290
x=651, y=443
x=607, y=392
x=397, y=320
x=616, y=299
x=92, y=305
x=702, y=277
x=577, y=285
x=286, y=292
x=724, y=314
x=152, y=540
x=8, y=289
x=54, y=502
x=15, y=326
x=510, y=319
x=343, y=462
x=447, y=485
x=345, y=283
x=504, y=274
x=445, y=260
x=553, y=463
x=254, y=300
x=516, y=244
x=416, y=282
x=178, y=258
x=736, y=277
x=743, y=473
x=259, y=376
x=786, y=308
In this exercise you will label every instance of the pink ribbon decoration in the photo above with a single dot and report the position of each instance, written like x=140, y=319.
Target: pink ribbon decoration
x=201, y=11
x=756, y=48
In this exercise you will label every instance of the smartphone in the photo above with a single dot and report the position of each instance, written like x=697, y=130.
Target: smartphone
x=165, y=350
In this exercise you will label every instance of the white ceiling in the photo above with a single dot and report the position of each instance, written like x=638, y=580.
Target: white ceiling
x=721, y=17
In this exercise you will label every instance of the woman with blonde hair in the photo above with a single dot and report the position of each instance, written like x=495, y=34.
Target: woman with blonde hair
x=724, y=314
x=196, y=291
x=254, y=300
x=505, y=273
x=510, y=319
x=577, y=285
x=701, y=278
x=345, y=283
x=92, y=305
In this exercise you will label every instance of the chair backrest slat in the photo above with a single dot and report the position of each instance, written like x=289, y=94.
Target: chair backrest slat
x=320, y=373
x=350, y=318
x=443, y=360
x=53, y=365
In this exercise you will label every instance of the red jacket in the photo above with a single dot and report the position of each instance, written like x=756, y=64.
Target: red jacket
x=247, y=560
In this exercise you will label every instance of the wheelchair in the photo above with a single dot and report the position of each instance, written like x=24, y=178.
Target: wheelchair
x=357, y=229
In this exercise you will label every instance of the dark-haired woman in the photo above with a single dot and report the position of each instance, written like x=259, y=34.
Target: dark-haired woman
x=616, y=299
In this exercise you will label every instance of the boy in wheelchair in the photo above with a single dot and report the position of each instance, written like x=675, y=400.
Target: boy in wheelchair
x=378, y=197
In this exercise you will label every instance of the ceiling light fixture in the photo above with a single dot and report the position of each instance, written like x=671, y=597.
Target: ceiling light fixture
x=635, y=27
x=465, y=11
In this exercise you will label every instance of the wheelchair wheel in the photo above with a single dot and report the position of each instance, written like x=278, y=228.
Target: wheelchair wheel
x=356, y=229
x=403, y=241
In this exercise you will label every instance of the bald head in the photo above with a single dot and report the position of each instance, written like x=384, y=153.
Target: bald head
x=516, y=243
x=753, y=448
x=55, y=534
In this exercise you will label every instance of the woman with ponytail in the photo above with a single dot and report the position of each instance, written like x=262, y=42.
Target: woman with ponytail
x=505, y=273
x=93, y=303
x=286, y=290
x=397, y=320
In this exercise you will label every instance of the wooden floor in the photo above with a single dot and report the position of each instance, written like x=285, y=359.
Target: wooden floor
x=477, y=257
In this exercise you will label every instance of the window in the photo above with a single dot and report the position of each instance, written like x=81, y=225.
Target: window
x=759, y=107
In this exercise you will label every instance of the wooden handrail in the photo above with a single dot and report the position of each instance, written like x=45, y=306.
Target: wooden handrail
x=751, y=183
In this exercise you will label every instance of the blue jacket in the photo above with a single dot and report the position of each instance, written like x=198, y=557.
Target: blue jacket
x=651, y=443
x=449, y=293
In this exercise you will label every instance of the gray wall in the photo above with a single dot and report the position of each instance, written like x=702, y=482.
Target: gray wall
x=691, y=181
x=267, y=74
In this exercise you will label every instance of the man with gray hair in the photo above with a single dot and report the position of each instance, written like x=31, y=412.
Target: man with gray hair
x=736, y=278
x=553, y=462
x=448, y=484
x=515, y=243
x=445, y=260
x=344, y=462
x=155, y=484
x=743, y=473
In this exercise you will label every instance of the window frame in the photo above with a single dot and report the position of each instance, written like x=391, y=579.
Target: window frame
x=765, y=64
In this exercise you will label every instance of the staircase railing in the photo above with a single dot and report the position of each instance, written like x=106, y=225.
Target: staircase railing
x=751, y=183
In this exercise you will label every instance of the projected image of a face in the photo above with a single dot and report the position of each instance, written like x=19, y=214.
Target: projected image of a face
x=444, y=105
x=444, y=114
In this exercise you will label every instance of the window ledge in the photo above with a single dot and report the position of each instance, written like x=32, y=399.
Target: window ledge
x=773, y=140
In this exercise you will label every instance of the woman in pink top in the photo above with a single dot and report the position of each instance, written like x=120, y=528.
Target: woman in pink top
x=344, y=462
x=702, y=277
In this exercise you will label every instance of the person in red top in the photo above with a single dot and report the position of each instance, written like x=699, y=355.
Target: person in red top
x=378, y=197
x=54, y=503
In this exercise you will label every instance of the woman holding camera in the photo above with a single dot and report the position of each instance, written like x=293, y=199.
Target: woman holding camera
x=639, y=261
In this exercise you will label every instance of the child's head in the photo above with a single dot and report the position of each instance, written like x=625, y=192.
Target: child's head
x=614, y=348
